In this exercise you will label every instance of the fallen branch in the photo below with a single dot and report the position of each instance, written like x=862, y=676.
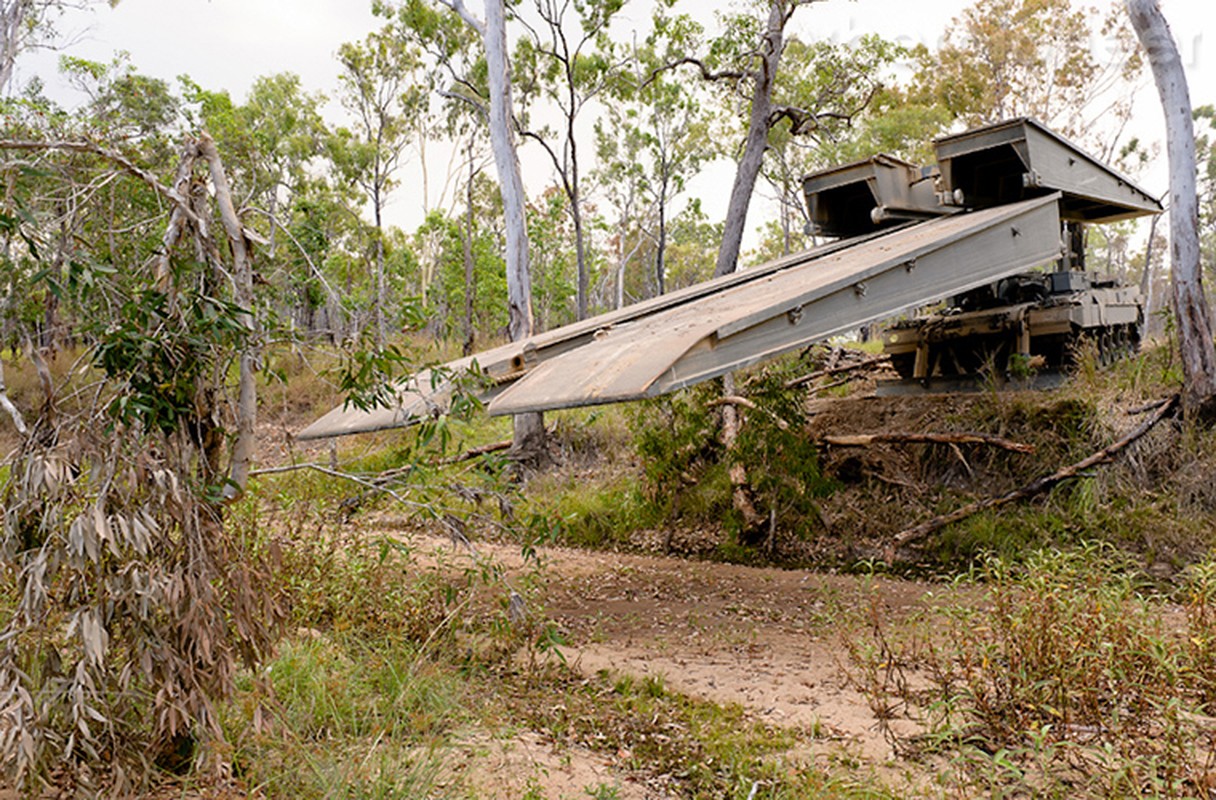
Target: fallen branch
x=918, y=532
x=92, y=148
x=476, y=452
x=794, y=383
x=834, y=384
x=380, y=478
x=736, y=400
x=867, y=439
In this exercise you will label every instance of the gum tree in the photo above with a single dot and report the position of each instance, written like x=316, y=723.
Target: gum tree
x=529, y=432
x=1190, y=305
x=382, y=89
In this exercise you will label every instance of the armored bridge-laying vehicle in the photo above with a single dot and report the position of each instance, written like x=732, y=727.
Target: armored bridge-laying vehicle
x=1000, y=202
x=1023, y=326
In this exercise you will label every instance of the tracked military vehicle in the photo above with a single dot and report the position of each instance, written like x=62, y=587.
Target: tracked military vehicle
x=1026, y=327
x=999, y=203
x=1016, y=329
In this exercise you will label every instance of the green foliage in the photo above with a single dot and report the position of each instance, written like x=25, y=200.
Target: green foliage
x=1009, y=58
x=681, y=454
x=692, y=247
x=602, y=515
x=685, y=466
x=848, y=81
x=554, y=271
x=368, y=375
x=440, y=241
x=382, y=703
x=162, y=349
x=782, y=460
x=1066, y=678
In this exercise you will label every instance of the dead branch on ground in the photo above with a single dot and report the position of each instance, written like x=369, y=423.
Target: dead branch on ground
x=737, y=400
x=476, y=452
x=1037, y=487
x=836, y=370
x=867, y=439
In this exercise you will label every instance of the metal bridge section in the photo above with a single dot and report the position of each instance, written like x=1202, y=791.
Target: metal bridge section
x=430, y=392
x=1000, y=194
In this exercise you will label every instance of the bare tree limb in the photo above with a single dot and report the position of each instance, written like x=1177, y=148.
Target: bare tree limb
x=169, y=193
x=737, y=400
x=459, y=7
x=706, y=73
x=247, y=402
x=803, y=121
x=480, y=108
x=7, y=405
x=834, y=370
x=867, y=439
x=476, y=452
x=1037, y=487
x=179, y=215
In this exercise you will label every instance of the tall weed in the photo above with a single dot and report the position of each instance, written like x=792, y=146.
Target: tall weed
x=1072, y=672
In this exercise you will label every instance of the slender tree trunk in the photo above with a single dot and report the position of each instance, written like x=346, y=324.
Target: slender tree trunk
x=381, y=292
x=580, y=253
x=660, y=255
x=621, y=261
x=1190, y=304
x=529, y=428
x=470, y=285
x=247, y=402
x=785, y=229
x=576, y=207
x=1146, y=277
x=771, y=46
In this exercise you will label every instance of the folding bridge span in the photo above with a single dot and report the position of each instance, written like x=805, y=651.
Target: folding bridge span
x=993, y=206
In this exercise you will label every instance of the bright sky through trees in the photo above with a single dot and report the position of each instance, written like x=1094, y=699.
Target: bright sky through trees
x=226, y=44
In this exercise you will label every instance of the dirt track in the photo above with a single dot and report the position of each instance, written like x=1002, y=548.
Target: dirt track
x=766, y=639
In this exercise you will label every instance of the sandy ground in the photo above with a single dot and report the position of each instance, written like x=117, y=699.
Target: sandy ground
x=766, y=639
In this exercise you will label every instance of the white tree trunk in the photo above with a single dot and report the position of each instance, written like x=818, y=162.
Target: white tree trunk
x=242, y=268
x=1190, y=306
x=13, y=14
x=506, y=160
x=529, y=429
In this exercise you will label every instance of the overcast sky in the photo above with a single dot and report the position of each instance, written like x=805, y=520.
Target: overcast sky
x=226, y=44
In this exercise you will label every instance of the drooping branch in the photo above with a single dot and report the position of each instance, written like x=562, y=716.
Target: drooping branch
x=169, y=193
x=1037, y=487
x=867, y=439
x=247, y=402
